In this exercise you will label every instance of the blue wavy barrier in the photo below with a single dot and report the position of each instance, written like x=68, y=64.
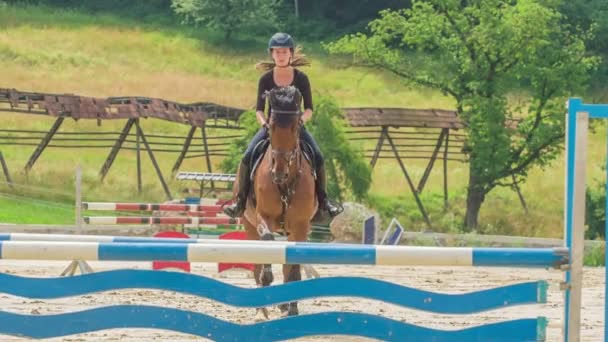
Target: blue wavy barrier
x=49, y=288
x=330, y=323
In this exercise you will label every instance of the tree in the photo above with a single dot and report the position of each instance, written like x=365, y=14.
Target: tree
x=237, y=148
x=589, y=14
x=228, y=16
x=592, y=15
x=595, y=211
x=345, y=167
x=477, y=52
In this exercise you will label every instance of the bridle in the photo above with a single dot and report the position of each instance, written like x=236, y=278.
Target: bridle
x=288, y=156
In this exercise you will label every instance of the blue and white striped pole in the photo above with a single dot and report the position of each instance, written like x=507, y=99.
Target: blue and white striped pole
x=285, y=253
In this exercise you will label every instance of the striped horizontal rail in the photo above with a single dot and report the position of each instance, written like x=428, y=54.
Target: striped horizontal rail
x=130, y=239
x=159, y=220
x=205, y=214
x=149, y=207
x=284, y=253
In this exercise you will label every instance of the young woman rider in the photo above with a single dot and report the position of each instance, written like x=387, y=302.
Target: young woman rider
x=282, y=72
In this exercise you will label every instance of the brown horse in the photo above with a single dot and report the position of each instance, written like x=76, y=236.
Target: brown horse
x=284, y=189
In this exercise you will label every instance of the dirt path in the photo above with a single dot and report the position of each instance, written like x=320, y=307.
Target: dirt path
x=440, y=279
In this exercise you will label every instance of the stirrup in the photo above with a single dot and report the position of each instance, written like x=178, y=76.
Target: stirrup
x=235, y=210
x=337, y=209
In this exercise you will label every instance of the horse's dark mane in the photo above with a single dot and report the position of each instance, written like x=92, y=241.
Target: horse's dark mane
x=284, y=120
x=285, y=104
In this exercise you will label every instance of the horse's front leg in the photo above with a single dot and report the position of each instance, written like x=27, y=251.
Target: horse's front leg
x=297, y=233
x=262, y=273
x=265, y=234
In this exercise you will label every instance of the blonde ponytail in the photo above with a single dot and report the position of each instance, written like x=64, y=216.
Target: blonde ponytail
x=297, y=60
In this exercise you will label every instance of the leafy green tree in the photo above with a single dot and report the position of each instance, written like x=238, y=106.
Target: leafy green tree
x=589, y=14
x=228, y=16
x=345, y=167
x=592, y=15
x=477, y=52
x=237, y=148
x=595, y=212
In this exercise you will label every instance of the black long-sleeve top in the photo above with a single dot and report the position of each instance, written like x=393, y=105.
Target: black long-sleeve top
x=300, y=81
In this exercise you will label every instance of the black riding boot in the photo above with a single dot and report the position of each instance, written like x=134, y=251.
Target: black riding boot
x=324, y=203
x=237, y=209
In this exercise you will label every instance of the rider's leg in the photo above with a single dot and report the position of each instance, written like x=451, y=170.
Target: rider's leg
x=321, y=181
x=238, y=208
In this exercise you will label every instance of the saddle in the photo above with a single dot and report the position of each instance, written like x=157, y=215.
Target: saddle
x=258, y=154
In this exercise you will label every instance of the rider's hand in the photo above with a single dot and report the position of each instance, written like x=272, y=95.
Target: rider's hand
x=266, y=126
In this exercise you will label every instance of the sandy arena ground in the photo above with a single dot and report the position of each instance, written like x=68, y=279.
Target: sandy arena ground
x=439, y=279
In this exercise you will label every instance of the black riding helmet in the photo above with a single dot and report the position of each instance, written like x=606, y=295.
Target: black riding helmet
x=281, y=40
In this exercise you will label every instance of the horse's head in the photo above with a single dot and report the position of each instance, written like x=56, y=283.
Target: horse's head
x=284, y=132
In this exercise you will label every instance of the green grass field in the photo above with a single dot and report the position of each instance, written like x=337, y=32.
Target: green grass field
x=67, y=52
x=28, y=211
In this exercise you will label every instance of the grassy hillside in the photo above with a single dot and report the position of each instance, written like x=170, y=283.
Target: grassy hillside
x=55, y=51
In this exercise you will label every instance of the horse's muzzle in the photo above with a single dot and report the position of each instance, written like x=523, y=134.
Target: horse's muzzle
x=279, y=178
